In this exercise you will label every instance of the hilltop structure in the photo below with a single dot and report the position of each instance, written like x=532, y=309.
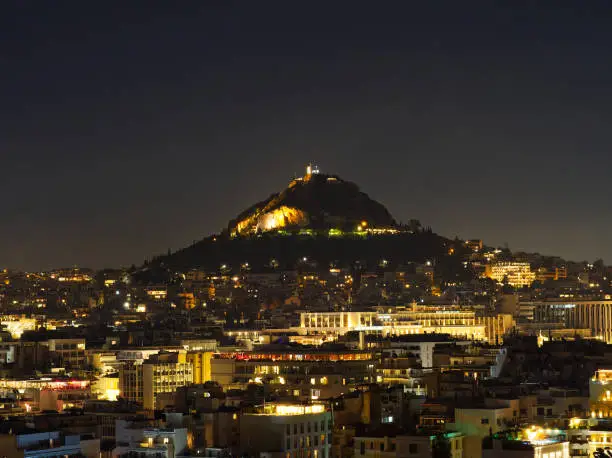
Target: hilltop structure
x=316, y=202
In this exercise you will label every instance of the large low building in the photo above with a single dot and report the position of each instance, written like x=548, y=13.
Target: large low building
x=594, y=315
x=45, y=393
x=303, y=373
x=451, y=320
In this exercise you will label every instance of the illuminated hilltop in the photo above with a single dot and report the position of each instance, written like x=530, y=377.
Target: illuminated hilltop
x=315, y=202
x=318, y=217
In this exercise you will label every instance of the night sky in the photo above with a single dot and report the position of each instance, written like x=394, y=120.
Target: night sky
x=127, y=128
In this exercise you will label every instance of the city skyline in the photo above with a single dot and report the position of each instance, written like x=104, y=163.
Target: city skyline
x=127, y=131
x=305, y=229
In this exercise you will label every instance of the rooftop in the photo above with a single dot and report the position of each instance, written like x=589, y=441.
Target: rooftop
x=274, y=409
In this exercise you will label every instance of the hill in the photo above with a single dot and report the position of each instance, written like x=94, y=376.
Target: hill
x=317, y=221
x=317, y=202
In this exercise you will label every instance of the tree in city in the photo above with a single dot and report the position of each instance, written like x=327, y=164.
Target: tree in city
x=441, y=447
x=602, y=453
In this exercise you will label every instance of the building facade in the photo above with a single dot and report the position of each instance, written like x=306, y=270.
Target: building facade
x=455, y=321
x=160, y=373
x=517, y=274
x=287, y=431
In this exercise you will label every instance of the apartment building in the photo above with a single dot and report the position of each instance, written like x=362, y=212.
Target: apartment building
x=287, y=431
x=162, y=372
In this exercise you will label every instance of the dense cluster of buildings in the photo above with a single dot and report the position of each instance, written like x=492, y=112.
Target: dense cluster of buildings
x=399, y=360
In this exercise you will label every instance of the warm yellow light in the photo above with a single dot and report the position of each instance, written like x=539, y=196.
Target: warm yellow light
x=534, y=433
x=274, y=219
x=280, y=217
x=574, y=422
x=111, y=394
x=298, y=409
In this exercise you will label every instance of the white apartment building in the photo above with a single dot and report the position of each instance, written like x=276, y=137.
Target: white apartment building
x=519, y=274
x=454, y=321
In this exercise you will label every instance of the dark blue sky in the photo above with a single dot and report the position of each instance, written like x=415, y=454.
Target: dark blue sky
x=126, y=130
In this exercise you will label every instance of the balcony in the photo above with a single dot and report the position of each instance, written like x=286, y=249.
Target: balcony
x=578, y=440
